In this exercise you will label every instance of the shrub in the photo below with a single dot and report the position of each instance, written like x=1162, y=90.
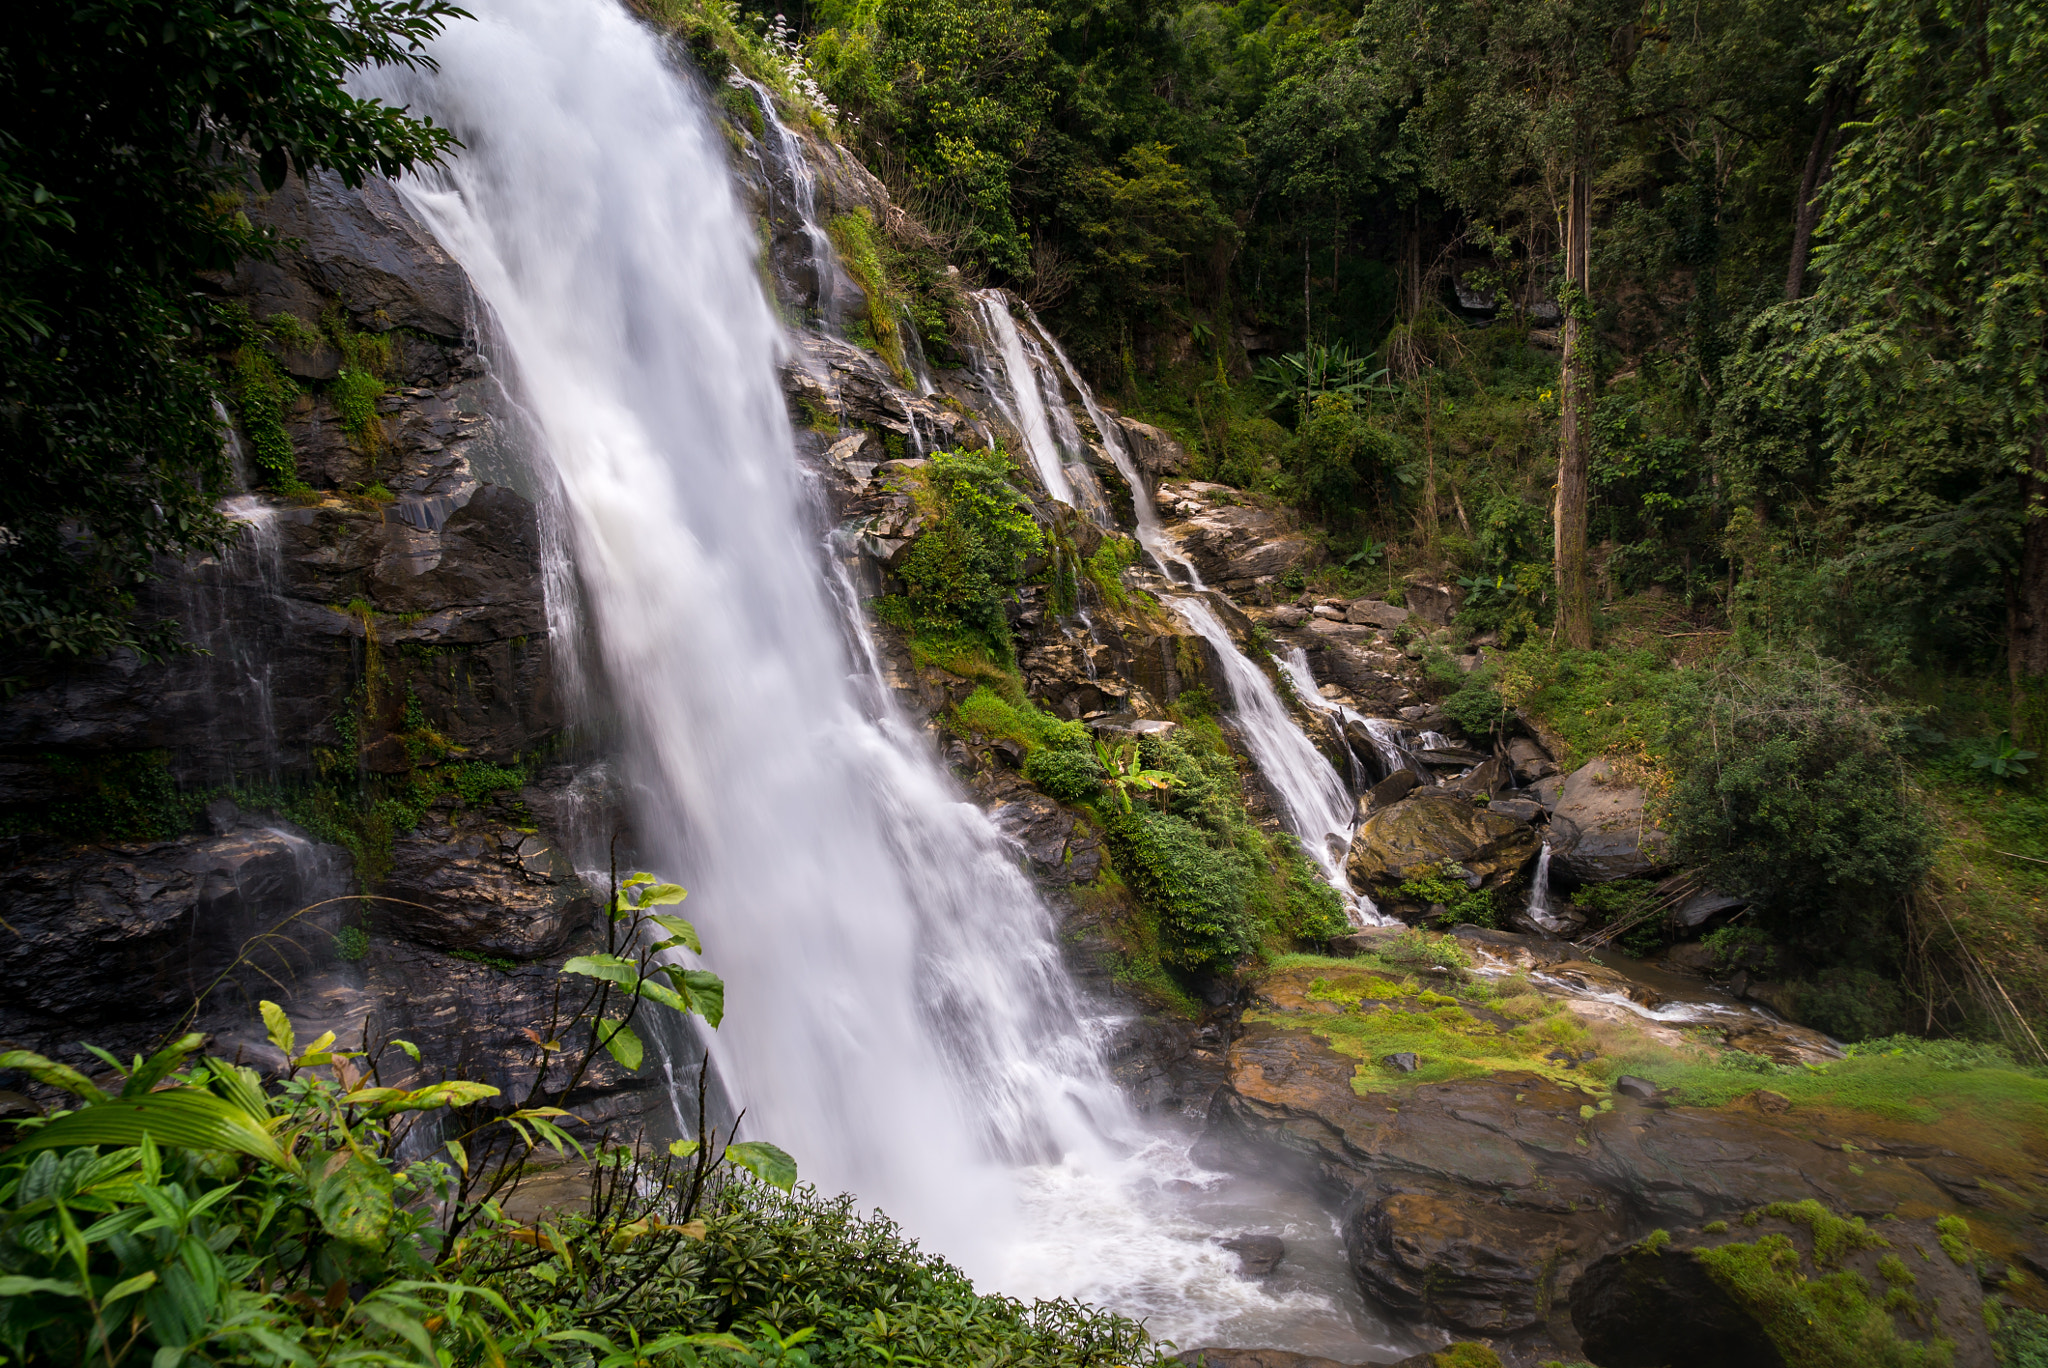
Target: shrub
x=1071, y=776
x=970, y=557
x=1852, y=1004
x=1476, y=708
x=1195, y=890
x=1442, y=886
x=1337, y=454
x=351, y=943
x=1790, y=793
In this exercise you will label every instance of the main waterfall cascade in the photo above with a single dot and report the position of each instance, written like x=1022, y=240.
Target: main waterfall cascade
x=898, y=1016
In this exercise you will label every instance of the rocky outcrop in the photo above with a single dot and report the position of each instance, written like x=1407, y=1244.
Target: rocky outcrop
x=1767, y=1287
x=114, y=943
x=1435, y=827
x=1603, y=828
x=1478, y=1204
x=1233, y=542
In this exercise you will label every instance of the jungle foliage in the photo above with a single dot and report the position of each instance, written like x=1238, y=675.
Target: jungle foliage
x=353, y=1209
x=131, y=128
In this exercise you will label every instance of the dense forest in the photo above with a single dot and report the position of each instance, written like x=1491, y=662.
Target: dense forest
x=1701, y=345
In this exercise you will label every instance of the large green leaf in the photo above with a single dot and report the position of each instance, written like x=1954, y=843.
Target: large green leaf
x=352, y=1197
x=161, y=1064
x=279, y=1027
x=680, y=932
x=703, y=990
x=770, y=1163
x=661, y=895
x=453, y=1093
x=623, y=1044
x=610, y=968
x=50, y=1073
x=184, y=1117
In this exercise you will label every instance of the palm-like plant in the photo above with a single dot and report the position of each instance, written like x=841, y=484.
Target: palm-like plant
x=1124, y=771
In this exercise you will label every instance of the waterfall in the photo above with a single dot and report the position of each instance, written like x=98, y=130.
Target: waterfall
x=1151, y=536
x=898, y=1015
x=1021, y=393
x=789, y=159
x=1314, y=803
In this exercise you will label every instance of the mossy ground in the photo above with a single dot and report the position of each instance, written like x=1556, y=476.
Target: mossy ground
x=1455, y=1029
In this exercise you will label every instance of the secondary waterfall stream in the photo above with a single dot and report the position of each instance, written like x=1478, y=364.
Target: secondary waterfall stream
x=898, y=1016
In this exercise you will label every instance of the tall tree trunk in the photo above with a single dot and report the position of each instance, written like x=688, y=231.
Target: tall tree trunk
x=1820, y=158
x=1574, y=588
x=2026, y=637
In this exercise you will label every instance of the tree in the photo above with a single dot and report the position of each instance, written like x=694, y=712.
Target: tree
x=131, y=129
x=1914, y=378
x=1516, y=110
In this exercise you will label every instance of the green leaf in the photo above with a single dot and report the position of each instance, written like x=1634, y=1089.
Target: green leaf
x=352, y=1197
x=128, y=1287
x=661, y=895
x=28, y=1287
x=241, y=1086
x=52, y=1074
x=767, y=1162
x=682, y=1149
x=610, y=968
x=453, y=1093
x=412, y=1051
x=703, y=990
x=623, y=1044
x=162, y=1063
x=184, y=1117
x=279, y=1027
x=680, y=932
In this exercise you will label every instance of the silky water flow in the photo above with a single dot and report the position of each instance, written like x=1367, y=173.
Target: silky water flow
x=897, y=1014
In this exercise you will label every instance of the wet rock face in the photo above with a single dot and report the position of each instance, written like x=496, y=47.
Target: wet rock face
x=1663, y=1307
x=1604, y=831
x=1430, y=827
x=1231, y=543
x=466, y=881
x=112, y=943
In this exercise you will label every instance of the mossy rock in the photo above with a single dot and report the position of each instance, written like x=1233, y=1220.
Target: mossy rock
x=1790, y=1286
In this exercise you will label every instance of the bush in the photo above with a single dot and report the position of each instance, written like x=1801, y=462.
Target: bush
x=1196, y=891
x=1852, y=1004
x=1338, y=455
x=1071, y=776
x=1476, y=708
x=970, y=557
x=1790, y=793
x=1442, y=886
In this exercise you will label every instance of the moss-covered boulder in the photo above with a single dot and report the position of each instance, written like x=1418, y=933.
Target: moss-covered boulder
x=1789, y=1286
x=1433, y=827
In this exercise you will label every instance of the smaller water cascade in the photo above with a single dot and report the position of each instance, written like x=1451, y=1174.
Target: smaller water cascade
x=1314, y=803
x=784, y=158
x=1020, y=393
x=1151, y=536
x=1538, y=911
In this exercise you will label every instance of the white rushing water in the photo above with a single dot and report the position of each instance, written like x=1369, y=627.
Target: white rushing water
x=1144, y=512
x=897, y=1014
x=1314, y=803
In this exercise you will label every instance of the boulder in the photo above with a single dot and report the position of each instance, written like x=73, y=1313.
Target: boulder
x=1530, y=760
x=1521, y=809
x=1155, y=453
x=1242, y=542
x=1432, y=601
x=1488, y=777
x=1375, y=613
x=1390, y=790
x=469, y=882
x=1660, y=1302
x=1257, y=1255
x=1287, y=615
x=1615, y=839
x=1468, y=1265
x=1431, y=828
